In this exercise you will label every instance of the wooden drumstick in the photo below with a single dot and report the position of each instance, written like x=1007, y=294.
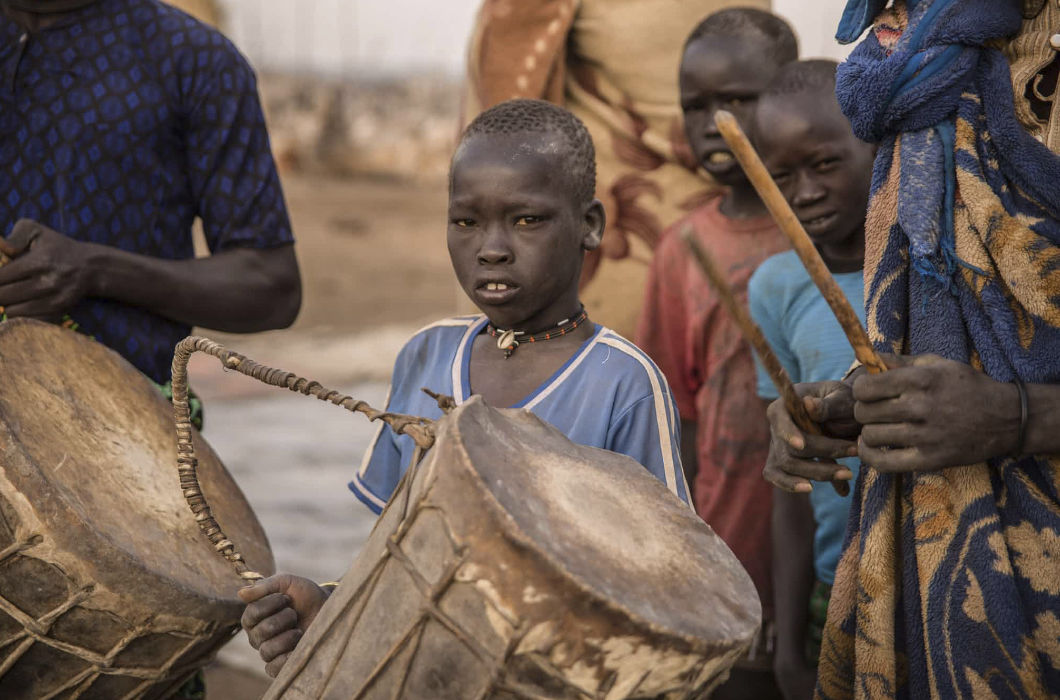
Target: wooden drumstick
x=753, y=334
x=791, y=226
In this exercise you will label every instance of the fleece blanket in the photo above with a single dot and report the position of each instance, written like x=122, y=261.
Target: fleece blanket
x=949, y=584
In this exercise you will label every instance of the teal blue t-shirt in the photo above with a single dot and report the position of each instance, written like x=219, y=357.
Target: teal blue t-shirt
x=809, y=342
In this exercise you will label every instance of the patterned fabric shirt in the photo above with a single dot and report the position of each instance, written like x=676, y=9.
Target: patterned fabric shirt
x=699, y=348
x=607, y=395
x=119, y=125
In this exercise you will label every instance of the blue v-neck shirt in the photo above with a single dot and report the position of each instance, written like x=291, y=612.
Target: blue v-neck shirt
x=607, y=395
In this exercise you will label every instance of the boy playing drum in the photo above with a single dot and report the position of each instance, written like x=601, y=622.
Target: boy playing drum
x=521, y=215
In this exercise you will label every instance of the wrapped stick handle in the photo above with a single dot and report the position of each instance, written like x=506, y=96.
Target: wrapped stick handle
x=791, y=226
x=421, y=430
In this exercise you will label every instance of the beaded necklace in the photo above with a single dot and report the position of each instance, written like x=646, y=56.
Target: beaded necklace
x=509, y=340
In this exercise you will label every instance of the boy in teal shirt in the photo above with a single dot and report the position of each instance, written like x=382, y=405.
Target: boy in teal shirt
x=824, y=172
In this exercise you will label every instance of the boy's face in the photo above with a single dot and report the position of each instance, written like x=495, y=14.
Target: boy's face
x=517, y=231
x=719, y=72
x=823, y=170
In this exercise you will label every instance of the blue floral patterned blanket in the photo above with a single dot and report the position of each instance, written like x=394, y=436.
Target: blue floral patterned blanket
x=949, y=585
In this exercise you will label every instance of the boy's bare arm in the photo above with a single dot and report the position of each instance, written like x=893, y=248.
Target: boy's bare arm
x=793, y=576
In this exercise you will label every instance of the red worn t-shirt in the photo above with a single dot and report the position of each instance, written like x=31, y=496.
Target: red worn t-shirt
x=699, y=348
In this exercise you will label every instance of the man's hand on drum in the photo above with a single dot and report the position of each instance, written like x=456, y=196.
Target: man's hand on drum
x=48, y=275
x=279, y=611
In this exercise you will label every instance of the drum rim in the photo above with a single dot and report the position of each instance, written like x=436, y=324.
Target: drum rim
x=530, y=544
x=74, y=536
x=305, y=665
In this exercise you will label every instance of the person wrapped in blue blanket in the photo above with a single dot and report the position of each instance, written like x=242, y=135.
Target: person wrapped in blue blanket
x=949, y=582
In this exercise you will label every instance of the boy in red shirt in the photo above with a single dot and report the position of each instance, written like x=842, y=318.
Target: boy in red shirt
x=728, y=60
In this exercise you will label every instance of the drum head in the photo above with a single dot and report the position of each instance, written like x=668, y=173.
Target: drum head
x=90, y=442
x=612, y=526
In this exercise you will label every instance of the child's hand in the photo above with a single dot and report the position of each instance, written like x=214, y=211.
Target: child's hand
x=279, y=611
x=796, y=458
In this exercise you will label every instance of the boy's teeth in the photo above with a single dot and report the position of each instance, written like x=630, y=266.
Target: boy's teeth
x=496, y=286
x=720, y=157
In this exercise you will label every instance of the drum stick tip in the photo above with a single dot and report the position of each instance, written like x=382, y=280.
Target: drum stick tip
x=789, y=224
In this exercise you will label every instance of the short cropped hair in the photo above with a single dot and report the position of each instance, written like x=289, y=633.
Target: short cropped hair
x=752, y=23
x=522, y=116
x=815, y=75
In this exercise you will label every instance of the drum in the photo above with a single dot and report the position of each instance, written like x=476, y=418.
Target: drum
x=107, y=588
x=512, y=563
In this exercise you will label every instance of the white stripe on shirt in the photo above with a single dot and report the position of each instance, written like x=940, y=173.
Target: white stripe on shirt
x=661, y=402
x=582, y=354
x=458, y=362
x=455, y=321
x=363, y=490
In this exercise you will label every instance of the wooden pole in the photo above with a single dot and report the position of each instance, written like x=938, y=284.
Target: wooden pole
x=800, y=241
x=753, y=334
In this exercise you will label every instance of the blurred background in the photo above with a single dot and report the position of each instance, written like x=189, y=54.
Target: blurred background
x=363, y=101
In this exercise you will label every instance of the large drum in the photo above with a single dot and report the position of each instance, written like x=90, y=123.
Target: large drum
x=107, y=588
x=512, y=563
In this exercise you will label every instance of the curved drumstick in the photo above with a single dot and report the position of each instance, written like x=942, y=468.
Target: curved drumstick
x=800, y=241
x=753, y=334
x=421, y=430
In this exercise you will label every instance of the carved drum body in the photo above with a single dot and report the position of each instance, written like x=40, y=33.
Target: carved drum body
x=107, y=588
x=512, y=563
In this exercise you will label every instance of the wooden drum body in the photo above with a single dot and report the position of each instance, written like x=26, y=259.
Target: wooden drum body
x=513, y=563
x=107, y=588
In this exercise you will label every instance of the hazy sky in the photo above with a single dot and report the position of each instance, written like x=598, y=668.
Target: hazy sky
x=373, y=37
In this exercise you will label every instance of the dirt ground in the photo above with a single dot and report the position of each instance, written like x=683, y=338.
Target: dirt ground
x=372, y=252
x=374, y=268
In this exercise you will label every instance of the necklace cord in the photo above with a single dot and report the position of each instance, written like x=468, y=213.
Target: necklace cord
x=510, y=340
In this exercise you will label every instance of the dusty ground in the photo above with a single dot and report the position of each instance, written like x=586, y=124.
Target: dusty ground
x=374, y=269
x=372, y=252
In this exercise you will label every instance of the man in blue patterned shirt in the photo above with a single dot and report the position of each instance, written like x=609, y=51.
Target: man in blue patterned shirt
x=121, y=121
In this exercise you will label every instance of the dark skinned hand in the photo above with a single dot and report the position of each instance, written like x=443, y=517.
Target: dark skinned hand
x=928, y=413
x=46, y=276
x=279, y=611
x=796, y=458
